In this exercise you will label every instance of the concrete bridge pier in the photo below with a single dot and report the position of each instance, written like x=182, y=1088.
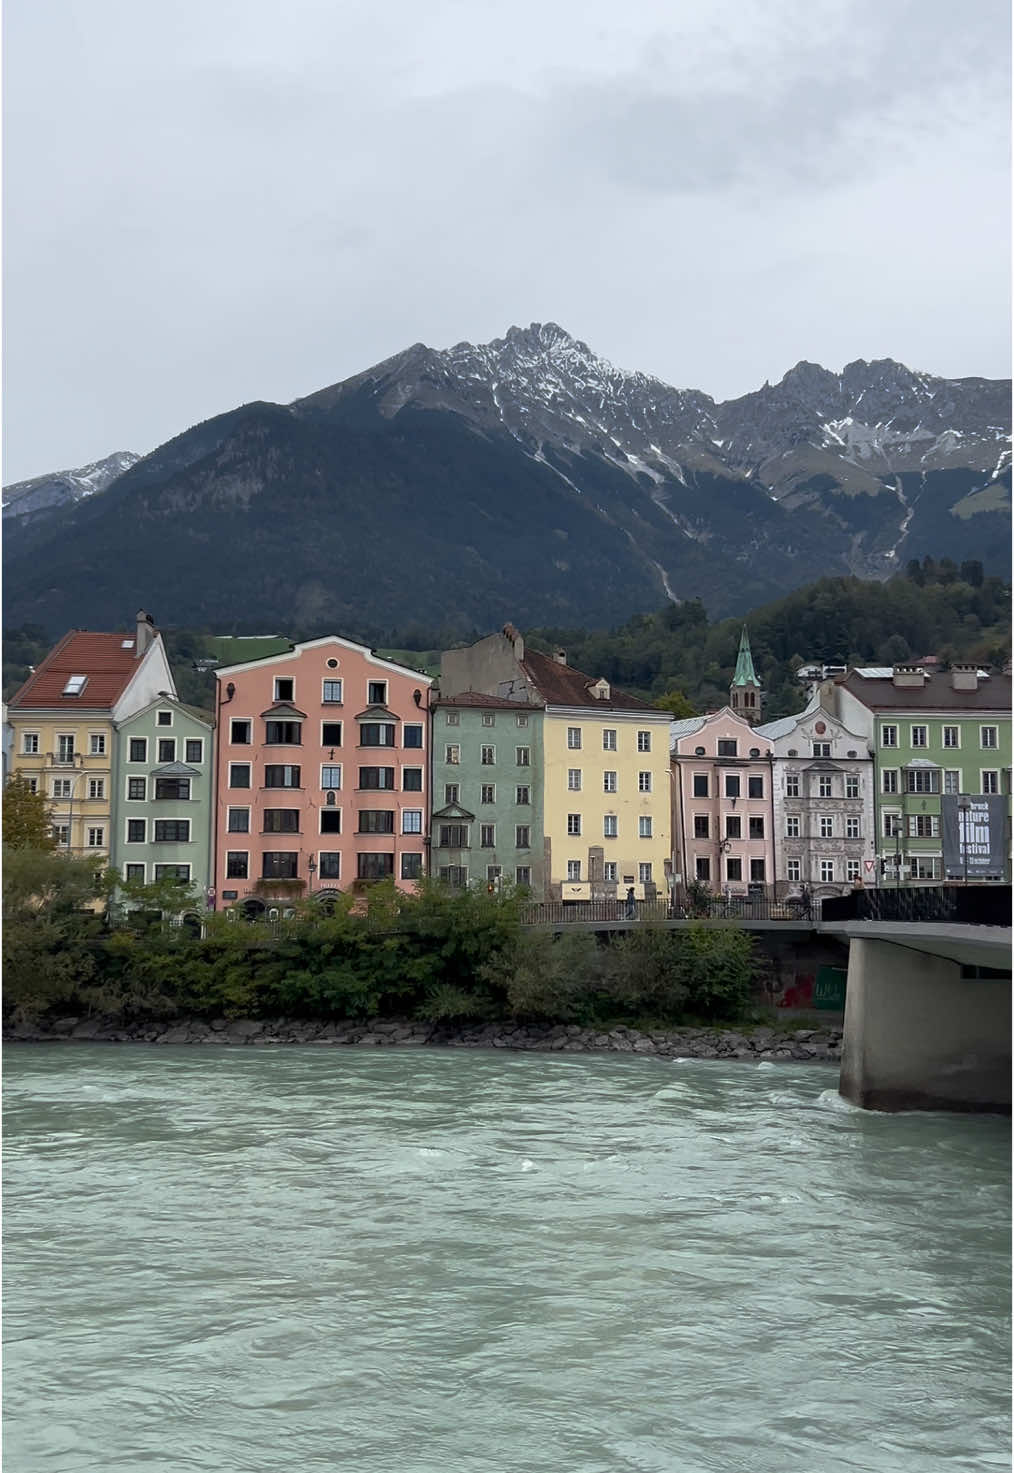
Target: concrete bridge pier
x=919, y=1036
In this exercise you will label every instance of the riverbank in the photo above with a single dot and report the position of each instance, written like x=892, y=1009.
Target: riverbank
x=821, y=1044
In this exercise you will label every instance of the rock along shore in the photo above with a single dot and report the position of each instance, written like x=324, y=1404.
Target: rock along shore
x=822, y=1045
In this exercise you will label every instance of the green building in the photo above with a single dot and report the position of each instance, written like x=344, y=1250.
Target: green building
x=931, y=733
x=163, y=795
x=487, y=792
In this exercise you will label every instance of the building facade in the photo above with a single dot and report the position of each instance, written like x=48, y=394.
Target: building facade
x=606, y=808
x=163, y=792
x=723, y=803
x=487, y=824
x=321, y=774
x=63, y=725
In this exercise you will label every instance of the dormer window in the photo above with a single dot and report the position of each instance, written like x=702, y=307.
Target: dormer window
x=75, y=685
x=600, y=690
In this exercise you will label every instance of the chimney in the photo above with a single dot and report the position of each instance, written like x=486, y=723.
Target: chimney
x=145, y=633
x=560, y=656
x=964, y=677
x=516, y=640
x=912, y=677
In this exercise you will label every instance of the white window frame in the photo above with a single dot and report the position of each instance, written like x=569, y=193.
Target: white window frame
x=610, y=826
x=993, y=744
x=644, y=782
x=30, y=742
x=824, y=786
x=793, y=870
x=96, y=744
x=610, y=782
x=238, y=808
x=416, y=815
x=573, y=738
x=573, y=825
x=644, y=741
x=183, y=879
x=520, y=719
x=452, y=718
x=610, y=871
x=31, y=783
x=163, y=711
x=574, y=778
x=487, y=836
x=792, y=785
x=945, y=732
x=330, y=767
x=852, y=828
x=326, y=700
x=853, y=785
x=249, y=767
x=169, y=741
x=853, y=869
x=952, y=780
x=488, y=718
x=919, y=735
x=526, y=789
x=792, y=826
x=522, y=756
x=370, y=701
x=291, y=680
x=452, y=754
x=142, y=878
x=574, y=871
x=99, y=785
x=523, y=874
x=886, y=788
x=891, y=742
x=62, y=783
x=522, y=836
x=826, y=869
x=100, y=842
x=826, y=825
x=644, y=872
x=609, y=739
x=993, y=774
x=644, y=826
x=487, y=755
x=187, y=840
x=241, y=721
x=487, y=792
x=197, y=761
x=70, y=740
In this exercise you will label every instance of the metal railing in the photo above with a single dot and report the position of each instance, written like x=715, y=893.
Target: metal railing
x=969, y=905
x=604, y=912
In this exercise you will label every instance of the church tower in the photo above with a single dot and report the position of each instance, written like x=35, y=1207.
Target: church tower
x=745, y=690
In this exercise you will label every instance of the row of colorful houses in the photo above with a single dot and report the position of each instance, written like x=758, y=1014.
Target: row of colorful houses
x=325, y=767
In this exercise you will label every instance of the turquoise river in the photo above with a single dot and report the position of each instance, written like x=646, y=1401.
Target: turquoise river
x=426, y=1261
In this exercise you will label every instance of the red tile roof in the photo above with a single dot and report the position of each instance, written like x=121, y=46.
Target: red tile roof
x=563, y=686
x=101, y=657
x=476, y=698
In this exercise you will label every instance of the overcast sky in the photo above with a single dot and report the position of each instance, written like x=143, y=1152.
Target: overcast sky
x=212, y=201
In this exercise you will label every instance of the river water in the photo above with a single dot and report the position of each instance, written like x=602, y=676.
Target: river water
x=405, y=1261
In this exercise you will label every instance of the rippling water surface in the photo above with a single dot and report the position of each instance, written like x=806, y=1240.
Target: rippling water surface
x=408, y=1261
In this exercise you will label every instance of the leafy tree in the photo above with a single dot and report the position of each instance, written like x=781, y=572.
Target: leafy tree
x=26, y=819
x=676, y=703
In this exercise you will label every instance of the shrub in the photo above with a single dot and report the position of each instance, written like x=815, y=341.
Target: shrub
x=715, y=969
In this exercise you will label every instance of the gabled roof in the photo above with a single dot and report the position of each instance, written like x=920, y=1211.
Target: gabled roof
x=686, y=727
x=561, y=685
x=454, y=811
x=283, y=708
x=175, y=769
x=108, y=660
x=475, y=698
x=163, y=699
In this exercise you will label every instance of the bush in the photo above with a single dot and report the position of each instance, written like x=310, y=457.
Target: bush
x=643, y=972
x=715, y=969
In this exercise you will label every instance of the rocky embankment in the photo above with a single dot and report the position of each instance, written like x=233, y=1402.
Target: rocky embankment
x=784, y=1042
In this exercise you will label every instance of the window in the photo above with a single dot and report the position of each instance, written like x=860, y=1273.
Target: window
x=330, y=820
x=644, y=741
x=134, y=872
x=164, y=718
x=96, y=787
x=411, y=821
x=823, y=786
x=65, y=749
x=377, y=777
x=827, y=871
x=888, y=736
x=892, y=825
x=923, y=826
x=644, y=874
x=609, y=826
x=522, y=796
x=644, y=782
x=523, y=873
x=925, y=867
x=733, y=869
x=792, y=869
x=454, y=874
x=487, y=756
x=755, y=787
x=573, y=869
x=167, y=749
x=952, y=781
x=757, y=870
x=919, y=736
x=755, y=828
x=412, y=735
x=195, y=751
x=792, y=785
x=411, y=866
x=31, y=783
x=703, y=868
x=330, y=867
x=172, y=831
x=281, y=775
x=609, y=871
x=733, y=828
x=574, y=737
x=376, y=821
x=523, y=756
x=138, y=749
x=821, y=749
x=852, y=828
x=411, y=779
x=851, y=785
x=922, y=780
x=30, y=743
x=487, y=793
x=75, y=685
x=493, y=873
x=283, y=733
x=330, y=733
x=488, y=718
x=609, y=782
x=281, y=820
x=952, y=736
x=727, y=748
x=376, y=693
x=451, y=791
x=279, y=865
x=644, y=827
x=732, y=785
x=173, y=789
x=521, y=720
x=61, y=834
x=331, y=776
x=237, y=864
x=574, y=779
x=137, y=830
x=792, y=826
x=96, y=838
x=237, y=820
x=990, y=782
x=987, y=737
x=240, y=733
x=97, y=744
x=574, y=824
x=453, y=836
x=453, y=718
x=522, y=836
x=702, y=826
x=178, y=872
x=700, y=784
x=889, y=780
x=61, y=787
x=331, y=693
x=852, y=868
x=285, y=688
x=376, y=734
x=452, y=755
x=609, y=739
x=826, y=828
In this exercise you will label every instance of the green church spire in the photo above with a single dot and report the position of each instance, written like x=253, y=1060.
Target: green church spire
x=744, y=663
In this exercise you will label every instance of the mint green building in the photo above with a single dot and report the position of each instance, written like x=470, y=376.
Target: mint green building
x=163, y=798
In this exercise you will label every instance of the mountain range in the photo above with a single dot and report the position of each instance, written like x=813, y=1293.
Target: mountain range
x=525, y=479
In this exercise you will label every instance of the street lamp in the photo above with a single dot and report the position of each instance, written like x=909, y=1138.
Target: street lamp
x=964, y=804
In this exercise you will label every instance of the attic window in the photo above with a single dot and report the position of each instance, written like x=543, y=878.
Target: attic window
x=75, y=685
x=600, y=690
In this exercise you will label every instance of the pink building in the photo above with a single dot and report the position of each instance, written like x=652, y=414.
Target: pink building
x=723, y=797
x=321, y=768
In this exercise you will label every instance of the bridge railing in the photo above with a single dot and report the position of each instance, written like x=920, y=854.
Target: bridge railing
x=969, y=905
x=603, y=912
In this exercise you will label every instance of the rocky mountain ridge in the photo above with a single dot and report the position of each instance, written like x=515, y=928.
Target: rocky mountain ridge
x=61, y=488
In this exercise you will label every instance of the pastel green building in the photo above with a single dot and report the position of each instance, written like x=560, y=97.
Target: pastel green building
x=487, y=826
x=163, y=767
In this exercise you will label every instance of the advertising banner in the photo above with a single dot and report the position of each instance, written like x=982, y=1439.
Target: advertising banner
x=975, y=836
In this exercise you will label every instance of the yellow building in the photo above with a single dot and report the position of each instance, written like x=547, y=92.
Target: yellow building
x=62, y=725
